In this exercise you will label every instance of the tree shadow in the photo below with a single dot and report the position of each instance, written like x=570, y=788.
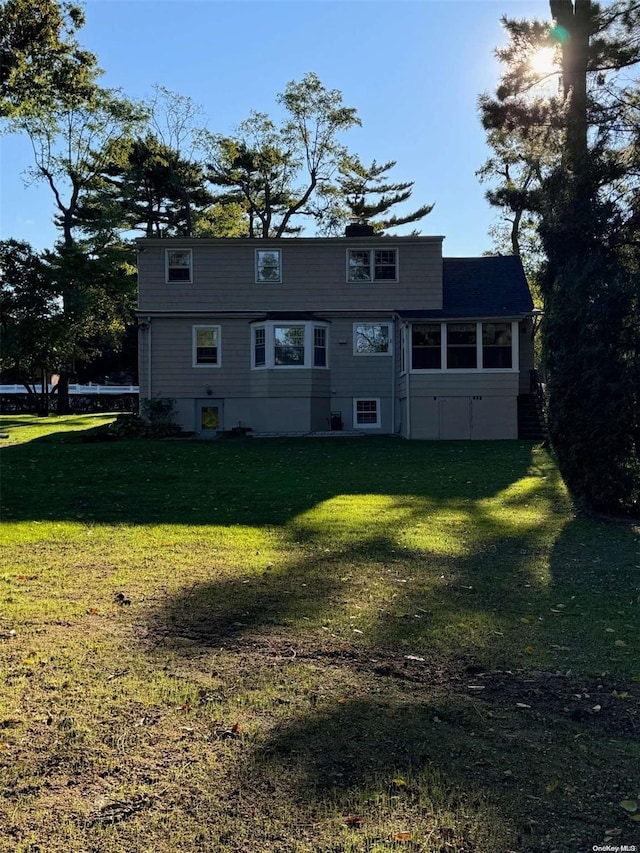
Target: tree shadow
x=244, y=482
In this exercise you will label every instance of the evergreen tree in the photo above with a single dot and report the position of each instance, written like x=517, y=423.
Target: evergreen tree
x=275, y=174
x=366, y=195
x=586, y=202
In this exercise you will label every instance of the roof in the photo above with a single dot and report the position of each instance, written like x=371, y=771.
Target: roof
x=480, y=287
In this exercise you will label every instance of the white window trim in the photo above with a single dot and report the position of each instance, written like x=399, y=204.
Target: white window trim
x=278, y=280
x=389, y=351
x=166, y=266
x=454, y=371
x=377, y=424
x=194, y=346
x=270, y=326
x=372, y=265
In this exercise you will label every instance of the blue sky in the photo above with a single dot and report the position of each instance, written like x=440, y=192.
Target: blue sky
x=413, y=70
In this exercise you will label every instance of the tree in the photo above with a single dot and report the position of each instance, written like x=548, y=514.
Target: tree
x=275, y=173
x=365, y=194
x=70, y=141
x=144, y=186
x=40, y=58
x=33, y=334
x=589, y=228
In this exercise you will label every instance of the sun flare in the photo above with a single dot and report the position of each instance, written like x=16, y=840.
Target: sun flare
x=543, y=61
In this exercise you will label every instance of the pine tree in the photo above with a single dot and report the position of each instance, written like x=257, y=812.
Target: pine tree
x=586, y=202
x=367, y=195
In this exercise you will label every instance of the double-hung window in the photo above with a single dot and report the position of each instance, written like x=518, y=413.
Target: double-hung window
x=178, y=265
x=366, y=413
x=259, y=347
x=372, y=265
x=268, y=265
x=206, y=346
x=371, y=339
x=319, y=346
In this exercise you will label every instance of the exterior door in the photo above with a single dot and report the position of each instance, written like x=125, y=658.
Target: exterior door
x=209, y=419
x=454, y=416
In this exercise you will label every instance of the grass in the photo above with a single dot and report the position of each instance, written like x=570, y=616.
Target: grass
x=310, y=645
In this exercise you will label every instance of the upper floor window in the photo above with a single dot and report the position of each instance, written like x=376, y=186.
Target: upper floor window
x=268, y=265
x=178, y=264
x=372, y=339
x=372, y=265
x=206, y=346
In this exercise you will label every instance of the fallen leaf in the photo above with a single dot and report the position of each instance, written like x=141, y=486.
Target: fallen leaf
x=402, y=836
x=236, y=728
x=551, y=787
x=399, y=783
x=528, y=650
x=522, y=705
x=635, y=817
x=353, y=820
x=620, y=643
x=629, y=805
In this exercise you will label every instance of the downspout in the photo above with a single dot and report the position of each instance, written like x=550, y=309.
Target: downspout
x=408, y=374
x=393, y=377
x=149, y=360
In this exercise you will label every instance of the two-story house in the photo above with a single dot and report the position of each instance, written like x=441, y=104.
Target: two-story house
x=366, y=333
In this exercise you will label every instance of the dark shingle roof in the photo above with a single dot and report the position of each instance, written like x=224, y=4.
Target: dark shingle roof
x=481, y=287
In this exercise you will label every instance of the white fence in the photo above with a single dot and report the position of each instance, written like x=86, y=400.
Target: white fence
x=76, y=389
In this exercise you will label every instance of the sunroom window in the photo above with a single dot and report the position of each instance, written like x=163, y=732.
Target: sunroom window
x=466, y=346
x=426, y=346
x=496, y=345
x=461, y=346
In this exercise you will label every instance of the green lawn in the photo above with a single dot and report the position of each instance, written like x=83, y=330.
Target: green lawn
x=310, y=645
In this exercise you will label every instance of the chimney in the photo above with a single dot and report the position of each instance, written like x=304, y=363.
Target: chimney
x=359, y=229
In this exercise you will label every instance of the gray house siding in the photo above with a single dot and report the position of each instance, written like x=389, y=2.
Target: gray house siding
x=314, y=273
x=463, y=406
x=277, y=397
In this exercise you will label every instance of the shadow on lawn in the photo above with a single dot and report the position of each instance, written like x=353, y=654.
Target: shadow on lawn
x=244, y=482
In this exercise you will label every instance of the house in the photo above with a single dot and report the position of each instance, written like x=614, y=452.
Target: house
x=375, y=334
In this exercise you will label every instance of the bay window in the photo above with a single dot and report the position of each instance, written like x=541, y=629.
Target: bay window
x=289, y=345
